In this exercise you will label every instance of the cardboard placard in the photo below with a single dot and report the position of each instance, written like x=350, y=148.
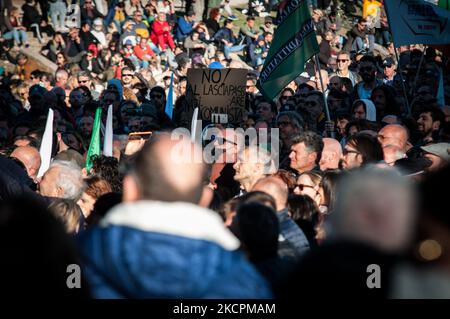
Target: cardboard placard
x=218, y=93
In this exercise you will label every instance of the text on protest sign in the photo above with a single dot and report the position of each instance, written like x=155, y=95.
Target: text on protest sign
x=218, y=93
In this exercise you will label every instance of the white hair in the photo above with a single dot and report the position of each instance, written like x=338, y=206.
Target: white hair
x=70, y=179
x=258, y=154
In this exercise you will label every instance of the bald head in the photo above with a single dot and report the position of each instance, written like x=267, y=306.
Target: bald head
x=166, y=170
x=30, y=158
x=276, y=188
x=331, y=154
x=393, y=134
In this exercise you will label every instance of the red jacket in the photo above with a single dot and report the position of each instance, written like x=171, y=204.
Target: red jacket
x=139, y=52
x=158, y=28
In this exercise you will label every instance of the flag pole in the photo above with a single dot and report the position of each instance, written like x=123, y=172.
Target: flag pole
x=398, y=65
x=403, y=82
x=327, y=110
x=418, y=70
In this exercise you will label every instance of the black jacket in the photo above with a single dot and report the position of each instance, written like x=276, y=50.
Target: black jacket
x=30, y=15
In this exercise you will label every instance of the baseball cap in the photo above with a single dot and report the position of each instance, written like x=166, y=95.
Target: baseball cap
x=441, y=150
x=388, y=61
x=215, y=65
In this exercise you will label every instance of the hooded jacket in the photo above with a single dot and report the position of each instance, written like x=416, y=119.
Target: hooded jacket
x=151, y=249
x=371, y=111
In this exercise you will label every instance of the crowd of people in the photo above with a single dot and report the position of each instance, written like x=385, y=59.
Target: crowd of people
x=366, y=186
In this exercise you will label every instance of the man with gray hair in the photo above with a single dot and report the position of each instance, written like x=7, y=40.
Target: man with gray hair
x=62, y=180
x=61, y=78
x=253, y=164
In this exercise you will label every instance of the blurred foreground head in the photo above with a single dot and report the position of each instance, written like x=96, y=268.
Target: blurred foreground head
x=377, y=207
x=36, y=253
x=165, y=170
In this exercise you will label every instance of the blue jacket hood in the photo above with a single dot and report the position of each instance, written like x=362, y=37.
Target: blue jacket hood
x=167, y=250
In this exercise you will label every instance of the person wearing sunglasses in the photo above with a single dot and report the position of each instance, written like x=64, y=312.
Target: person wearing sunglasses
x=84, y=79
x=343, y=62
x=389, y=71
x=308, y=184
x=127, y=77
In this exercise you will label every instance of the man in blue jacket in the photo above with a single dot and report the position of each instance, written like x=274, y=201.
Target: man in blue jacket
x=185, y=26
x=159, y=243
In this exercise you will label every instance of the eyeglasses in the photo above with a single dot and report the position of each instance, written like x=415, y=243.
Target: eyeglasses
x=341, y=60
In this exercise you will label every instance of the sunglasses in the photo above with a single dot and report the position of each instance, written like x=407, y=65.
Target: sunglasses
x=285, y=97
x=127, y=74
x=83, y=81
x=341, y=60
x=387, y=65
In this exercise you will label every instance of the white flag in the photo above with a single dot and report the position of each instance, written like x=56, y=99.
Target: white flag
x=417, y=22
x=46, y=145
x=194, y=124
x=108, y=140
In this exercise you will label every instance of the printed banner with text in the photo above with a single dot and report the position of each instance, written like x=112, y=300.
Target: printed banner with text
x=218, y=93
x=418, y=22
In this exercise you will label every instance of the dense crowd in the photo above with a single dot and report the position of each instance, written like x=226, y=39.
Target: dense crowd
x=365, y=187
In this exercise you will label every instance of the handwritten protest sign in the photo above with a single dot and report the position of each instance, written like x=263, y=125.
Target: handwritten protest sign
x=218, y=93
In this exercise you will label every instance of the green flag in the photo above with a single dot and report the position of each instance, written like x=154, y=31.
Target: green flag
x=444, y=4
x=94, y=147
x=294, y=43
